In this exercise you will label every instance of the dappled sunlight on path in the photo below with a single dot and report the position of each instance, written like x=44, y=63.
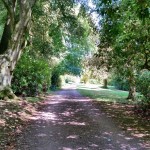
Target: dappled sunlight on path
x=69, y=121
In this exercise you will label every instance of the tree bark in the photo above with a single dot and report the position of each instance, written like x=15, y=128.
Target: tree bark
x=13, y=40
x=105, y=82
x=132, y=89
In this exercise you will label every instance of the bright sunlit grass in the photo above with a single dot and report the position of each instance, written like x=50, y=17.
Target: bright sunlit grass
x=100, y=94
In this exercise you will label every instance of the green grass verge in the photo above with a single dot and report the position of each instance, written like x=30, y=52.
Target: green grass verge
x=40, y=97
x=100, y=94
x=33, y=99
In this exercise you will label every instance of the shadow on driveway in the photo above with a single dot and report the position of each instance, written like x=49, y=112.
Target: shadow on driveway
x=72, y=122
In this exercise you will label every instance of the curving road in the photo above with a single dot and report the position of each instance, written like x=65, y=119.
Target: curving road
x=72, y=122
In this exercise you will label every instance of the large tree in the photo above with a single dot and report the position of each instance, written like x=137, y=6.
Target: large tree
x=18, y=31
x=55, y=26
x=13, y=38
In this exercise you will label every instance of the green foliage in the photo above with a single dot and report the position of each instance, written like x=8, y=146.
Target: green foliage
x=2, y=18
x=58, y=31
x=143, y=84
x=94, y=81
x=33, y=99
x=100, y=94
x=72, y=62
x=124, y=39
x=56, y=81
x=85, y=78
x=31, y=76
x=56, y=24
x=119, y=82
x=6, y=93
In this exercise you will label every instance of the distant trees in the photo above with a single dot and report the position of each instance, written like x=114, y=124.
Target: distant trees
x=124, y=39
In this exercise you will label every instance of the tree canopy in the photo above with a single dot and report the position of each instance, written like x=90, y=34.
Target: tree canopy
x=75, y=36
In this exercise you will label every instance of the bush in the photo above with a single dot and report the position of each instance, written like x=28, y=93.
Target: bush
x=31, y=76
x=56, y=81
x=94, y=81
x=119, y=83
x=143, y=86
x=85, y=78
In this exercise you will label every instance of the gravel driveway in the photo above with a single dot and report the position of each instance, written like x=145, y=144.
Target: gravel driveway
x=70, y=121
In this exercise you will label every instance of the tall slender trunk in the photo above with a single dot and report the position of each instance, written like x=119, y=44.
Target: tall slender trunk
x=13, y=41
x=132, y=88
x=105, y=83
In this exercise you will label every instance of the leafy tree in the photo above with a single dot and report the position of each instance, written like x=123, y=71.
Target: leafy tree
x=31, y=75
x=143, y=85
x=13, y=38
x=78, y=44
x=119, y=82
x=128, y=45
x=55, y=78
x=47, y=30
x=52, y=23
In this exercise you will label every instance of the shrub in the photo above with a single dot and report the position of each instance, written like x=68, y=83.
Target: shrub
x=143, y=86
x=56, y=81
x=119, y=83
x=85, y=78
x=31, y=76
x=94, y=81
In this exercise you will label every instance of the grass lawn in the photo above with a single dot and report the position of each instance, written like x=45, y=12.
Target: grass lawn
x=100, y=94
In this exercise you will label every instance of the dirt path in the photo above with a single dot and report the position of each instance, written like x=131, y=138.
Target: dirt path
x=72, y=122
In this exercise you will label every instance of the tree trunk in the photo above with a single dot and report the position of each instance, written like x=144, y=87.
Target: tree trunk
x=11, y=47
x=105, y=84
x=132, y=93
x=132, y=89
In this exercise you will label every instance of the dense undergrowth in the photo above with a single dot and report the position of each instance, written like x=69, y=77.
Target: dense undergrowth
x=29, y=77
